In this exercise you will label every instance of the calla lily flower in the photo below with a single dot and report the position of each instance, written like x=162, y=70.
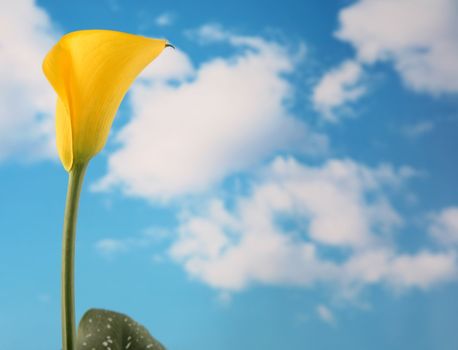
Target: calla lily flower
x=91, y=71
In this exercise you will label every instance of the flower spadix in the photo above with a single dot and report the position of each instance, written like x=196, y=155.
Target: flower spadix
x=91, y=71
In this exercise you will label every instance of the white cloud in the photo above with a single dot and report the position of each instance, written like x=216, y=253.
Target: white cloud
x=417, y=36
x=111, y=248
x=210, y=33
x=399, y=271
x=27, y=101
x=165, y=19
x=171, y=65
x=418, y=129
x=193, y=126
x=325, y=314
x=337, y=88
x=444, y=226
x=421, y=270
x=292, y=224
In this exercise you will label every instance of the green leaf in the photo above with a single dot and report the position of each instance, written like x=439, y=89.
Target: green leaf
x=108, y=330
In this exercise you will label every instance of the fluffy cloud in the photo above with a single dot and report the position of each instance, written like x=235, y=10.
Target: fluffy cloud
x=27, y=102
x=418, y=129
x=418, y=36
x=296, y=221
x=444, y=226
x=111, y=248
x=399, y=271
x=337, y=88
x=192, y=126
x=325, y=314
x=165, y=19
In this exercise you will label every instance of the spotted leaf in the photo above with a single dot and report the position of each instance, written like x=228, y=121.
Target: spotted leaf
x=108, y=330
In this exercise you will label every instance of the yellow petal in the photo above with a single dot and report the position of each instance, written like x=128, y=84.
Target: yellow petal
x=64, y=135
x=91, y=71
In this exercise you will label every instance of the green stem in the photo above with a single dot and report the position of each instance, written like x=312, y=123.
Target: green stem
x=75, y=182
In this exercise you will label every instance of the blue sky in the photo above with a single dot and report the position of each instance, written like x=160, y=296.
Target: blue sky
x=285, y=178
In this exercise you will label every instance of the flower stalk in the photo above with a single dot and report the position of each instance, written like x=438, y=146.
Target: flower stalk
x=75, y=182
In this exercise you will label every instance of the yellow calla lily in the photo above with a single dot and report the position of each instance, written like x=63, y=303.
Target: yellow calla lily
x=91, y=71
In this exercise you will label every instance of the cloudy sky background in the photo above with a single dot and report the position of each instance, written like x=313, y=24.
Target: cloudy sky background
x=285, y=178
